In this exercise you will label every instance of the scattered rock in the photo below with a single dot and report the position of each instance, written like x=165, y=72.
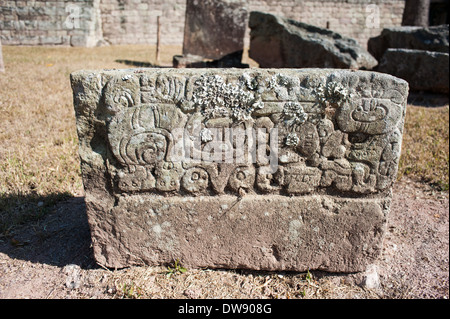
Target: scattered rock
x=276, y=42
x=214, y=35
x=423, y=70
x=184, y=61
x=371, y=279
x=73, y=279
x=435, y=38
x=416, y=54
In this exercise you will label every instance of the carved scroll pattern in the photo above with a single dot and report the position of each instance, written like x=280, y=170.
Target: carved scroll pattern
x=336, y=133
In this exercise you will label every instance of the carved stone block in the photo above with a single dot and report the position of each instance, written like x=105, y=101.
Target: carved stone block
x=275, y=169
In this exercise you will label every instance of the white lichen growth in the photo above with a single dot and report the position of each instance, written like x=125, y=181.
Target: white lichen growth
x=283, y=80
x=206, y=135
x=278, y=81
x=272, y=83
x=219, y=99
x=291, y=139
x=250, y=82
x=294, y=114
x=258, y=103
x=126, y=77
x=332, y=94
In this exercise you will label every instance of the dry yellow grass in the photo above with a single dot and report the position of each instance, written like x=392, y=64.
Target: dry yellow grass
x=153, y=282
x=38, y=142
x=425, y=151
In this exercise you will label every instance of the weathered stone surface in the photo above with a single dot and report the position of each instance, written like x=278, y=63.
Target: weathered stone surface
x=423, y=70
x=214, y=28
x=416, y=54
x=303, y=181
x=277, y=42
x=2, y=66
x=433, y=38
x=58, y=22
x=183, y=61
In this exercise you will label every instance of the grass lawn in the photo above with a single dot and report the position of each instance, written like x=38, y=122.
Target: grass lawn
x=425, y=146
x=39, y=162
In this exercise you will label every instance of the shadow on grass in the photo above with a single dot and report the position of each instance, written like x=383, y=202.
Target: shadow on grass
x=49, y=229
x=428, y=99
x=140, y=64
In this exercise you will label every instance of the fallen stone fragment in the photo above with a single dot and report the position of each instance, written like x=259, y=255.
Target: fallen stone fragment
x=371, y=278
x=273, y=169
x=434, y=38
x=73, y=279
x=423, y=70
x=277, y=42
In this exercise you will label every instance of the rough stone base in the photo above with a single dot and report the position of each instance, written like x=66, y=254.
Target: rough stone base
x=256, y=232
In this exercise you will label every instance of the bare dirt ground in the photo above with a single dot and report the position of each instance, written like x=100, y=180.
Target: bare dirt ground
x=52, y=258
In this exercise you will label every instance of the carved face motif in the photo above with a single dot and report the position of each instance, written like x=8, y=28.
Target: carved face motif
x=121, y=93
x=242, y=177
x=368, y=115
x=195, y=180
x=370, y=110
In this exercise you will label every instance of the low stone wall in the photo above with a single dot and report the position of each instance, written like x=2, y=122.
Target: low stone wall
x=359, y=19
x=60, y=22
x=37, y=22
x=134, y=21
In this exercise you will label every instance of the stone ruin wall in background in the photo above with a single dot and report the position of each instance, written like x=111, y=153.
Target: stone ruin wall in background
x=50, y=22
x=134, y=21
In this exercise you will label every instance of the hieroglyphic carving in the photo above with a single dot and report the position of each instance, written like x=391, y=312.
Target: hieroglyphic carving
x=334, y=131
x=195, y=180
x=260, y=169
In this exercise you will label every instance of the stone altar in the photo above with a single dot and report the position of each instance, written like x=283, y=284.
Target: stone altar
x=273, y=169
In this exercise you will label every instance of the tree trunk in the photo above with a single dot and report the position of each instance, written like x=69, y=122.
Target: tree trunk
x=416, y=13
